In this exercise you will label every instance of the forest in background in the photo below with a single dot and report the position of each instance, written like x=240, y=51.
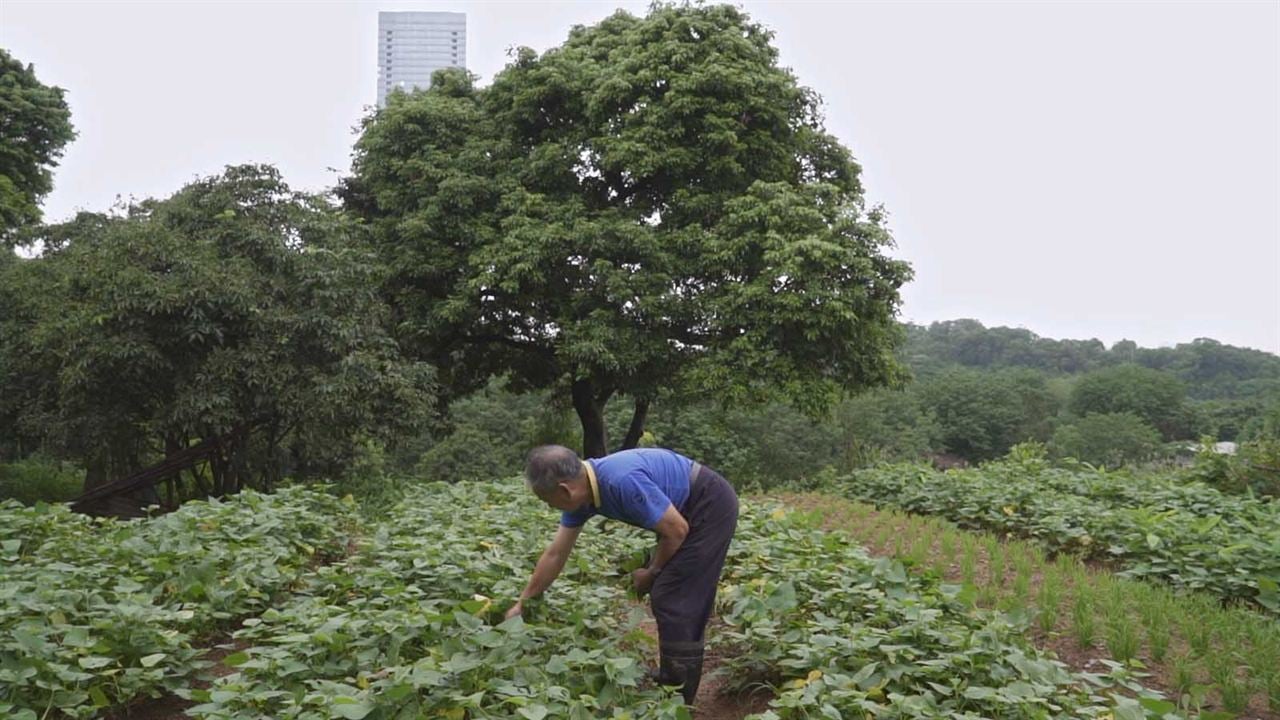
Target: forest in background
x=975, y=393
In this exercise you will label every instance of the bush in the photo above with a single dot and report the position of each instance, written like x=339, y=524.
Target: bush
x=1254, y=468
x=1156, y=397
x=1111, y=439
x=981, y=414
x=882, y=426
x=38, y=478
x=468, y=454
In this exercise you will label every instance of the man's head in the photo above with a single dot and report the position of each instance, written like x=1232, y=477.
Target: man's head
x=556, y=475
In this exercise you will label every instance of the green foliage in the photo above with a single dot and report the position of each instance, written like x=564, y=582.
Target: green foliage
x=469, y=454
x=651, y=208
x=884, y=425
x=37, y=126
x=412, y=626
x=1208, y=369
x=839, y=634
x=1154, y=396
x=1111, y=439
x=760, y=447
x=1187, y=534
x=1254, y=468
x=970, y=344
x=1264, y=426
x=95, y=612
x=980, y=415
x=234, y=303
x=40, y=479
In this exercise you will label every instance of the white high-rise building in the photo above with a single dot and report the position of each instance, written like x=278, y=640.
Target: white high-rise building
x=412, y=45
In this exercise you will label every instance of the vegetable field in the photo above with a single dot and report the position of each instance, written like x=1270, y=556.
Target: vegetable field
x=1186, y=534
x=96, y=612
x=401, y=616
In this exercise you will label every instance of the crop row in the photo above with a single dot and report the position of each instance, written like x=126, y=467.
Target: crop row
x=1186, y=534
x=842, y=635
x=96, y=612
x=412, y=625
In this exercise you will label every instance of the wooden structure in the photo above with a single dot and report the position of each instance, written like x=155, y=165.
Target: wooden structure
x=129, y=496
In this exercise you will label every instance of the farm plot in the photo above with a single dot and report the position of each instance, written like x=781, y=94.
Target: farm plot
x=411, y=624
x=842, y=635
x=95, y=612
x=1186, y=534
x=412, y=627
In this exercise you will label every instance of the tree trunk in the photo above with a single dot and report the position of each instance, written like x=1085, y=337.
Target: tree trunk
x=172, y=444
x=590, y=408
x=197, y=476
x=636, y=431
x=95, y=473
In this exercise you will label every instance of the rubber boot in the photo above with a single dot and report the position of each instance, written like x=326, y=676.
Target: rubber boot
x=680, y=665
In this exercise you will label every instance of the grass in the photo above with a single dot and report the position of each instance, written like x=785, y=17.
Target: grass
x=1202, y=653
x=37, y=479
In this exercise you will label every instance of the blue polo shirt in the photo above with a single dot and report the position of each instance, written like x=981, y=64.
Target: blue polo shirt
x=636, y=486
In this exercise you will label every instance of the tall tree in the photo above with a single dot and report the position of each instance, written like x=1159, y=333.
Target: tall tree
x=651, y=208
x=35, y=126
x=1156, y=397
x=980, y=415
x=236, y=307
x=1111, y=439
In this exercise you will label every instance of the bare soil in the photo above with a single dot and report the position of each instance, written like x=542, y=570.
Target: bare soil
x=714, y=700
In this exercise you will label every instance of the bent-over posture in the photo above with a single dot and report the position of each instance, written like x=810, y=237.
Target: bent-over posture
x=694, y=512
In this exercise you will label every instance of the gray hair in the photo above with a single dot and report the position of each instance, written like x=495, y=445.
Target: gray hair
x=549, y=465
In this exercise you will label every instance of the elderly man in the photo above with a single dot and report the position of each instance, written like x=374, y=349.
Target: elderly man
x=694, y=512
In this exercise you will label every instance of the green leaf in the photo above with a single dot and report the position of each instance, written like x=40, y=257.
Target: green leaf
x=99, y=697
x=1157, y=706
x=534, y=712
x=151, y=660
x=236, y=659
x=351, y=708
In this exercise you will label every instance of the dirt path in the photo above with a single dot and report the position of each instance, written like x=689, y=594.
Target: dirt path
x=172, y=707
x=714, y=702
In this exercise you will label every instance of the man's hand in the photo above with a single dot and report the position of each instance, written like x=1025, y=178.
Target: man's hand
x=516, y=609
x=642, y=580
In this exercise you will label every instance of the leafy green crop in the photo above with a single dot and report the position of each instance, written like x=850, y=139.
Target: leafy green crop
x=95, y=612
x=844, y=635
x=412, y=625
x=1184, y=533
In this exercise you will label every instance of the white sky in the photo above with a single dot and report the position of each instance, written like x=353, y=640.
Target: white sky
x=1081, y=169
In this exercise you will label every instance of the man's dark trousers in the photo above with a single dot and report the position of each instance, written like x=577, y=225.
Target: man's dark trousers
x=684, y=593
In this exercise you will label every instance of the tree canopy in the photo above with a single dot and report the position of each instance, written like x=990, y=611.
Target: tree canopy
x=1156, y=397
x=651, y=208
x=980, y=415
x=235, y=306
x=35, y=126
x=1110, y=439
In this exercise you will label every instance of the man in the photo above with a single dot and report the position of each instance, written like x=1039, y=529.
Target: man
x=694, y=512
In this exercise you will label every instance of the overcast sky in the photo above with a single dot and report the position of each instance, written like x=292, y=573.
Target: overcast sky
x=1082, y=169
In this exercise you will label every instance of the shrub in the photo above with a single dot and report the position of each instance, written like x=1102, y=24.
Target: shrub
x=1111, y=439
x=39, y=478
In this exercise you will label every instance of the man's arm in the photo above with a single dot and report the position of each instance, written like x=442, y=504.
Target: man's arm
x=672, y=529
x=549, y=565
